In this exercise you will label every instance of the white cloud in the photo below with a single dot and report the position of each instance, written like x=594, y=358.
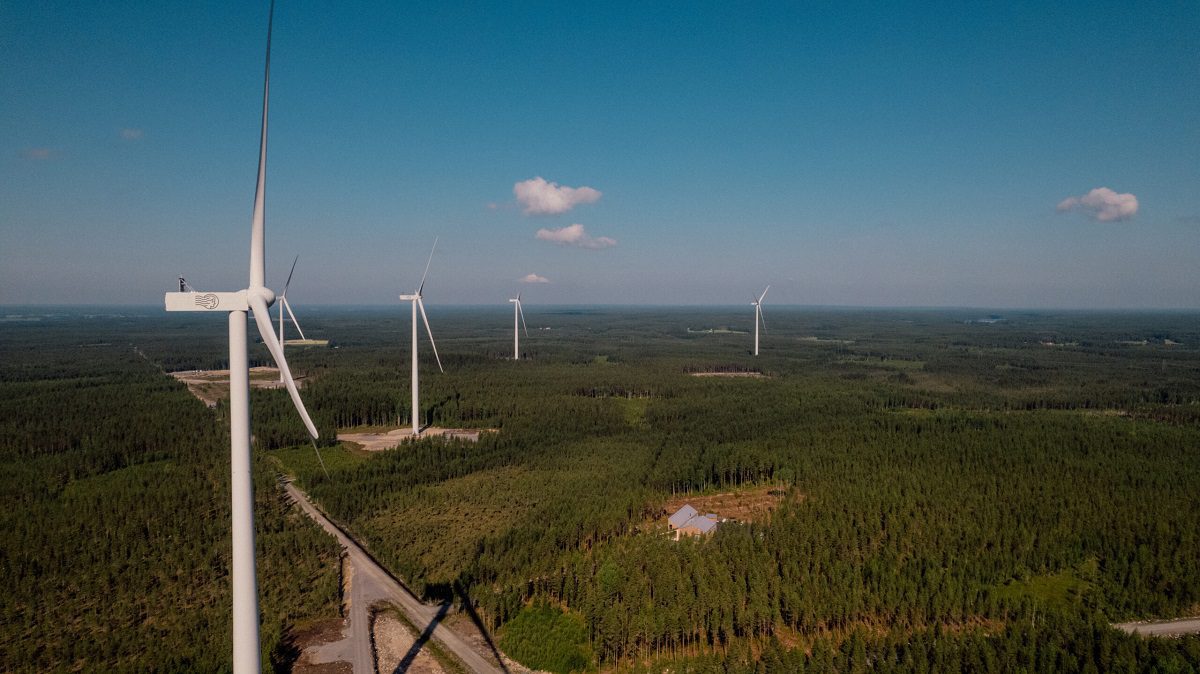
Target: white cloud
x=575, y=235
x=131, y=134
x=1102, y=204
x=539, y=197
x=533, y=278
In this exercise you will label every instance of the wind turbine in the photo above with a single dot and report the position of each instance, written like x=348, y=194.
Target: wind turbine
x=284, y=304
x=758, y=317
x=517, y=311
x=415, y=298
x=256, y=298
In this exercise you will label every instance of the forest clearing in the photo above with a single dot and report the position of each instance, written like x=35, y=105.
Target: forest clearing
x=211, y=386
x=389, y=439
x=744, y=505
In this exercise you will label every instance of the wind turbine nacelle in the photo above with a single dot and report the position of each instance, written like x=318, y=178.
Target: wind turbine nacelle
x=195, y=301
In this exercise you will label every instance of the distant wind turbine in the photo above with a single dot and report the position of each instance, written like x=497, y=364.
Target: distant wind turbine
x=758, y=317
x=415, y=298
x=517, y=311
x=257, y=298
x=284, y=304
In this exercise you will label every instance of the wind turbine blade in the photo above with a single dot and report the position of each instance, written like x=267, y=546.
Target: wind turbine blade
x=319, y=459
x=762, y=317
x=258, y=262
x=521, y=312
x=263, y=319
x=422, y=286
x=289, y=281
x=760, y=297
x=288, y=305
x=518, y=296
x=430, y=333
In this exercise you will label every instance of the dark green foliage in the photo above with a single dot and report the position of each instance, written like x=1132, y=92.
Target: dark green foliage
x=959, y=496
x=937, y=469
x=1068, y=645
x=116, y=547
x=547, y=638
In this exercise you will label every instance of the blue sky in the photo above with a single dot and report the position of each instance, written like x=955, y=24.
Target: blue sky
x=853, y=154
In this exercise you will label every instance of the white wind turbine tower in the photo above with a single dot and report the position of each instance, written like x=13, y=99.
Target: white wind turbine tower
x=517, y=311
x=758, y=317
x=285, y=304
x=415, y=298
x=257, y=298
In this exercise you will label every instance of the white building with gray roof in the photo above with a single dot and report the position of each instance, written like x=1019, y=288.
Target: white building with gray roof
x=688, y=521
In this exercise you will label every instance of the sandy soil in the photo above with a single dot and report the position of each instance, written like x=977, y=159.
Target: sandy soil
x=377, y=442
x=744, y=506
x=212, y=385
x=752, y=375
x=394, y=642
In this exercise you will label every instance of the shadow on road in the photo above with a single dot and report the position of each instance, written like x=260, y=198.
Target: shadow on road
x=415, y=650
x=465, y=602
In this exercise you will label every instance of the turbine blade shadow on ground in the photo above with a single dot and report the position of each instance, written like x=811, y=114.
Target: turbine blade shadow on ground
x=426, y=635
x=465, y=601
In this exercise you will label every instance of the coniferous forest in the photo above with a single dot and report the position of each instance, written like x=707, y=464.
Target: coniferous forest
x=951, y=490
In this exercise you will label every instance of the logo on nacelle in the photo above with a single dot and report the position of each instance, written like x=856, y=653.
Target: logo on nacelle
x=207, y=300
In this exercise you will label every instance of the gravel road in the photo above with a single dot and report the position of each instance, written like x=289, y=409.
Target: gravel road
x=371, y=583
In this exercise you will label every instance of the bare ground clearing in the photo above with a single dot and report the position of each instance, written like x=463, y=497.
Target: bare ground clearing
x=310, y=642
x=209, y=386
x=377, y=442
x=751, y=375
x=743, y=505
x=396, y=647
x=306, y=342
x=825, y=340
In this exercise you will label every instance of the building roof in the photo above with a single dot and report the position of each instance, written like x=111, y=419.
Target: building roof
x=690, y=520
x=702, y=523
x=681, y=516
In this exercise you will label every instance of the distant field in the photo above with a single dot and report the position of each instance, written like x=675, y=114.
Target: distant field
x=306, y=342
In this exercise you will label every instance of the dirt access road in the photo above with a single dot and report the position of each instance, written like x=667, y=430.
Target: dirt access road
x=371, y=583
x=1163, y=628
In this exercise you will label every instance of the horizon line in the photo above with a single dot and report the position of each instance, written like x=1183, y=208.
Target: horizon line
x=497, y=305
